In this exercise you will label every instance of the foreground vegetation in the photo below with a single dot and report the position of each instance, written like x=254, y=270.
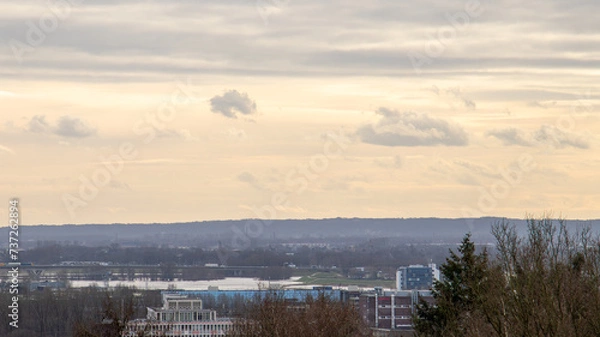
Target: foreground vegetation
x=85, y=312
x=546, y=283
x=322, y=316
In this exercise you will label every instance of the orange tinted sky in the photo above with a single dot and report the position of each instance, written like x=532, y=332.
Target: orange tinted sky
x=155, y=111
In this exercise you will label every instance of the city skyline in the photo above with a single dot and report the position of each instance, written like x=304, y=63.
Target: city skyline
x=147, y=111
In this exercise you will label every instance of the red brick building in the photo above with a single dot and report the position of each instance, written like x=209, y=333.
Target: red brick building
x=391, y=310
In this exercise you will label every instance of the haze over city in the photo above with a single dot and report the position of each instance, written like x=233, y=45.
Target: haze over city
x=151, y=111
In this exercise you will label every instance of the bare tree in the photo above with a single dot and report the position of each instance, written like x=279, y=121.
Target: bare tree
x=112, y=321
x=274, y=316
x=552, y=279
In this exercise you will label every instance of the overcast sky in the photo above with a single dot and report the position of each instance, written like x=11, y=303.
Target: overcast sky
x=164, y=111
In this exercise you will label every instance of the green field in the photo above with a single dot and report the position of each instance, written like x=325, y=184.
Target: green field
x=336, y=279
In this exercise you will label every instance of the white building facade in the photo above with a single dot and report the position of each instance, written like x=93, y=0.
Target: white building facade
x=417, y=277
x=180, y=316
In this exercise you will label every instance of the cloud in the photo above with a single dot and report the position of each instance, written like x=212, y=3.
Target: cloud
x=394, y=162
x=66, y=126
x=560, y=139
x=187, y=135
x=457, y=93
x=250, y=179
x=231, y=103
x=538, y=104
x=38, y=124
x=361, y=41
x=545, y=135
x=481, y=170
x=411, y=129
x=184, y=134
x=335, y=185
x=73, y=127
x=246, y=177
x=465, y=173
x=236, y=134
x=7, y=93
x=468, y=103
x=6, y=149
x=510, y=136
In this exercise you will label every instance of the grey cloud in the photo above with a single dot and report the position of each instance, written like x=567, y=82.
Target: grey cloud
x=184, y=134
x=411, y=129
x=231, y=103
x=538, y=104
x=250, y=179
x=167, y=40
x=468, y=179
x=335, y=185
x=468, y=103
x=73, y=127
x=398, y=162
x=510, y=136
x=464, y=171
x=6, y=149
x=187, y=135
x=246, y=177
x=38, y=124
x=560, y=139
x=545, y=135
x=236, y=134
x=457, y=93
x=481, y=170
x=394, y=162
x=66, y=126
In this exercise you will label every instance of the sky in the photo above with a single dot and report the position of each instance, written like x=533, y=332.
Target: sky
x=169, y=111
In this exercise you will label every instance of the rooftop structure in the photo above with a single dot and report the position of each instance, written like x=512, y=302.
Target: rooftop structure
x=417, y=277
x=179, y=316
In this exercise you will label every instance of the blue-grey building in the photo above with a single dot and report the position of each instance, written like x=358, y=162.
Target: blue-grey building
x=417, y=277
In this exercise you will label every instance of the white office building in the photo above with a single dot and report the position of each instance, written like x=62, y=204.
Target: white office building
x=178, y=317
x=417, y=277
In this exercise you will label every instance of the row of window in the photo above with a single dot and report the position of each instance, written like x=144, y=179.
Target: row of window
x=397, y=317
x=192, y=330
x=396, y=306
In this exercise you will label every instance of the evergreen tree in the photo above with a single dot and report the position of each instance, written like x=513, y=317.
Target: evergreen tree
x=458, y=295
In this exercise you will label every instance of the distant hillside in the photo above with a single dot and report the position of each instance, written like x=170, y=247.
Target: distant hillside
x=210, y=233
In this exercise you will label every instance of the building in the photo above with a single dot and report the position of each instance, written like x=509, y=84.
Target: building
x=288, y=294
x=42, y=285
x=391, y=310
x=417, y=277
x=180, y=316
